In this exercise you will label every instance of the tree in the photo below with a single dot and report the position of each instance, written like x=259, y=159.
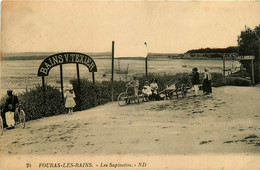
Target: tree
x=249, y=44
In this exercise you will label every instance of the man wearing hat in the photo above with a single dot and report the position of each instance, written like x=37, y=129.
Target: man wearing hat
x=10, y=109
x=195, y=80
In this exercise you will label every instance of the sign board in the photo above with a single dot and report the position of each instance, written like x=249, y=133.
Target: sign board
x=65, y=58
x=248, y=57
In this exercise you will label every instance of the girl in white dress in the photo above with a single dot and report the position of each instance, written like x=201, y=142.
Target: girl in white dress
x=147, y=90
x=69, y=99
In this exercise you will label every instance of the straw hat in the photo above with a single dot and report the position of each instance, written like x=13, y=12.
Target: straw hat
x=69, y=87
x=146, y=82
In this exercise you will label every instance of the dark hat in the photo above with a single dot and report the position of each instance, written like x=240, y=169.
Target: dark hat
x=195, y=69
x=9, y=92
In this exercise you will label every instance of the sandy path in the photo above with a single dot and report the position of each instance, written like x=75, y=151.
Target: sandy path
x=225, y=123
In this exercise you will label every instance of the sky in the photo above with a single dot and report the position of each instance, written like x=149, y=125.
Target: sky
x=87, y=26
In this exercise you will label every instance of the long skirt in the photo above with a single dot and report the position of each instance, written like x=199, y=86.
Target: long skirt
x=9, y=118
x=207, y=86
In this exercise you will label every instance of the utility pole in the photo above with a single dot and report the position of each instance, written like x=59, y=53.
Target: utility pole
x=224, y=68
x=258, y=42
x=146, y=62
x=112, y=71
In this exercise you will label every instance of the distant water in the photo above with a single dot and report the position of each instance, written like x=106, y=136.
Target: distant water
x=21, y=74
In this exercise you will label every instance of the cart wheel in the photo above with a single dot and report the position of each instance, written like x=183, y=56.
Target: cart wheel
x=1, y=126
x=170, y=95
x=183, y=90
x=22, y=118
x=140, y=98
x=122, y=99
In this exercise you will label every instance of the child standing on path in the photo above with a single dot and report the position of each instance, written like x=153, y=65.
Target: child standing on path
x=69, y=99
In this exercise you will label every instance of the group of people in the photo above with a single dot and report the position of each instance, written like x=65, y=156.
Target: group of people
x=206, y=85
x=9, y=111
x=150, y=90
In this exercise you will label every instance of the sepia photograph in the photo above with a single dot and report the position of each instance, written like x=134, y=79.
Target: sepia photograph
x=130, y=85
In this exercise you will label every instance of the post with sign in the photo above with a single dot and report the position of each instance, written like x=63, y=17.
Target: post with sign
x=93, y=77
x=66, y=58
x=79, y=88
x=249, y=57
x=43, y=89
x=61, y=82
x=253, y=75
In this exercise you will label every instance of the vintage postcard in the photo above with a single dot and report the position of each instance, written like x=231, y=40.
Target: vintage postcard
x=130, y=85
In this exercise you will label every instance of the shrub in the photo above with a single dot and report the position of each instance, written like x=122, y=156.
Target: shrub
x=2, y=101
x=34, y=106
x=237, y=81
x=217, y=80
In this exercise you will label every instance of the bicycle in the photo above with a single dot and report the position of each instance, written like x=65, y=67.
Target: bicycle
x=21, y=116
x=126, y=97
x=1, y=126
x=21, y=119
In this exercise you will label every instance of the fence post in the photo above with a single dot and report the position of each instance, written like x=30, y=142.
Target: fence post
x=61, y=82
x=43, y=88
x=79, y=88
x=224, y=69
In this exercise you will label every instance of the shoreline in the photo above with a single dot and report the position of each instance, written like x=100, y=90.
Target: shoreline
x=122, y=58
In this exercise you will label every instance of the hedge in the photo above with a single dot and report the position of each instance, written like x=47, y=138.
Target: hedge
x=34, y=106
x=238, y=81
x=33, y=102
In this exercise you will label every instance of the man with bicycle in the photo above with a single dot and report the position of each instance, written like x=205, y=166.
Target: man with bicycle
x=10, y=110
x=134, y=83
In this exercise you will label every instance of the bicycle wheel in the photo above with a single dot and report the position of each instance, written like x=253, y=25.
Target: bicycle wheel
x=22, y=118
x=122, y=99
x=1, y=126
x=183, y=90
x=170, y=95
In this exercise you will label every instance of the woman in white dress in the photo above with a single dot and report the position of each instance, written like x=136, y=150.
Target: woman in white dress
x=147, y=91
